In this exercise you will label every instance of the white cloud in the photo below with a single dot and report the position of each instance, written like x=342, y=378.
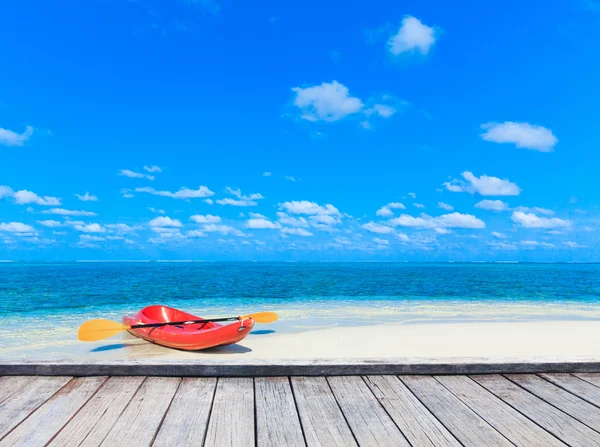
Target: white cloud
x=386, y=211
x=377, y=228
x=154, y=210
x=419, y=205
x=492, y=205
x=5, y=191
x=286, y=219
x=127, y=193
x=238, y=193
x=24, y=197
x=206, y=219
x=323, y=221
x=441, y=230
x=183, y=193
x=452, y=220
x=403, y=237
x=445, y=206
x=381, y=110
x=87, y=197
x=152, y=169
x=498, y=235
x=121, y=228
x=10, y=138
x=530, y=220
x=17, y=228
x=523, y=135
x=306, y=207
x=533, y=244
x=326, y=102
x=88, y=237
x=133, y=174
x=64, y=212
x=365, y=124
x=236, y=202
x=50, y=223
x=209, y=201
x=261, y=223
x=572, y=244
x=413, y=36
x=503, y=246
x=535, y=209
x=289, y=178
x=484, y=185
x=90, y=228
x=242, y=200
x=223, y=229
x=165, y=221
x=413, y=195
x=266, y=174
x=381, y=241
x=195, y=233
x=296, y=231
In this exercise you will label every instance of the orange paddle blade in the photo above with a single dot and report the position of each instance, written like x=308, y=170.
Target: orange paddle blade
x=95, y=330
x=263, y=317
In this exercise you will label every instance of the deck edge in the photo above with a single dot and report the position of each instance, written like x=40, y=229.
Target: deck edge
x=300, y=367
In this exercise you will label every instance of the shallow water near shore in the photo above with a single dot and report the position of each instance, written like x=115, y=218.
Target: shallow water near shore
x=42, y=304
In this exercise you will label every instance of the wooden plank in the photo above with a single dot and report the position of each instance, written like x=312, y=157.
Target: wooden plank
x=467, y=426
x=9, y=385
x=232, y=417
x=569, y=403
x=187, y=419
x=415, y=421
x=39, y=428
x=560, y=424
x=322, y=420
x=140, y=420
x=512, y=424
x=20, y=405
x=368, y=420
x=577, y=386
x=277, y=420
x=593, y=378
x=95, y=420
x=305, y=367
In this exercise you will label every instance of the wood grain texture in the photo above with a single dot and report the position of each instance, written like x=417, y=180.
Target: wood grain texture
x=187, y=419
x=593, y=378
x=560, y=424
x=277, y=420
x=39, y=428
x=415, y=421
x=512, y=424
x=17, y=407
x=232, y=418
x=95, y=420
x=569, y=403
x=141, y=419
x=577, y=386
x=321, y=418
x=368, y=420
x=468, y=427
x=10, y=385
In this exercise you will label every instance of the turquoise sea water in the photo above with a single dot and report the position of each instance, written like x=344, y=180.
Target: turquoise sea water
x=42, y=304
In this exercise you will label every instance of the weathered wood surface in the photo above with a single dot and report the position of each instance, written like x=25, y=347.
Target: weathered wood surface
x=141, y=419
x=323, y=421
x=232, y=418
x=416, y=422
x=512, y=424
x=20, y=405
x=464, y=423
x=569, y=403
x=368, y=420
x=187, y=419
x=48, y=419
x=95, y=420
x=547, y=416
x=277, y=421
x=492, y=410
x=577, y=386
x=309, y=367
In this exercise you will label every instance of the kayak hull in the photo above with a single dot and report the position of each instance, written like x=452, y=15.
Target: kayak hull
x=189, y=337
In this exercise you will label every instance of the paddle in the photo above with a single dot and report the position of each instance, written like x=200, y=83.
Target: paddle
x=100, y=329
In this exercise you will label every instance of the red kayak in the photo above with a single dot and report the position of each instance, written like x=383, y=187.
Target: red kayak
x=190, y=337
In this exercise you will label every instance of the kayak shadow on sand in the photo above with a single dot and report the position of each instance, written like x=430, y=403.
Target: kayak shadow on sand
x=114, y=346
x=262, y=332
x=228, y=349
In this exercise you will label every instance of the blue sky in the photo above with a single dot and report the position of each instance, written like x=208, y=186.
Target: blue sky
x=223, y=130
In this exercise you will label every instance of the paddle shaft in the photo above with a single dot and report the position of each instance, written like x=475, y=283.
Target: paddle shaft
x=174, y=323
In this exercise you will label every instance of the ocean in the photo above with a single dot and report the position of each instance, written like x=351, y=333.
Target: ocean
x=42, y=304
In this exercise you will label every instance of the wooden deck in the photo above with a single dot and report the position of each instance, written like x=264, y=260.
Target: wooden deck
x=419, y=410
